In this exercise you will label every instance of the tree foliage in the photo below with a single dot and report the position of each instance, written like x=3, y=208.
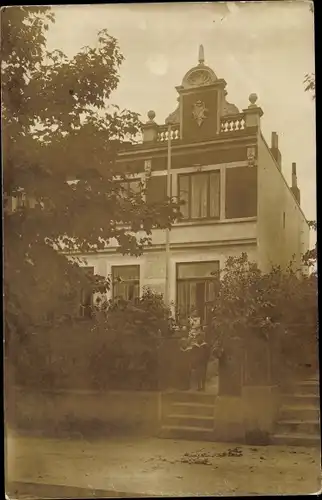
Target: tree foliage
x=309, y=82
x=118, y=349
x=58, y=125
x=282, y=303
x=310, y=257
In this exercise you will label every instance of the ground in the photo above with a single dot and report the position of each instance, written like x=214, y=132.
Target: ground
x=151, y=466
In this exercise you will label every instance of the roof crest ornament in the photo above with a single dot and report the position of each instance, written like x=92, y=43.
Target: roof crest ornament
x=201, y=55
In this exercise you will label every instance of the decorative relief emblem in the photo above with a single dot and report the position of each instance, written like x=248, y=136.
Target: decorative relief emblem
x=199, y=112
x=251, y=156
x=199, y=77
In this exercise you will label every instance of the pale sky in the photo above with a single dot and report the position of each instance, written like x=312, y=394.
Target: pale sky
x=264, y=47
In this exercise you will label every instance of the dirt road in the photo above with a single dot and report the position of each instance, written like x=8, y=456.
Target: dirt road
x=163, y=467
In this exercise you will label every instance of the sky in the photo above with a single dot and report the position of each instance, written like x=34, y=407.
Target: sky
x=261, y=47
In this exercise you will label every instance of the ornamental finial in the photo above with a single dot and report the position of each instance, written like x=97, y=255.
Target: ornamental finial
x=201, y=55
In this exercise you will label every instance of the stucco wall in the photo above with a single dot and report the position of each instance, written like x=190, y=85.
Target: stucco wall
x=276, y=243
x=152, y=263
x=108, y=411
x=247, y=418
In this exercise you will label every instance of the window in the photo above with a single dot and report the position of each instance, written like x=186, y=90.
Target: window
x=87, y=296
x=196, y=288
x=283, y=220
x=201, y=194
x=132, y=186
x=126, y=282
x=21, y=200
x=241, y=192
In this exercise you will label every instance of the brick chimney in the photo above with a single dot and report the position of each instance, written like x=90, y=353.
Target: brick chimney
x=294, y=187
x=275, y=151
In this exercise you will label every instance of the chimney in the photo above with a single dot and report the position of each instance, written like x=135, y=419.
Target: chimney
x=295, y=190
x=275, y=151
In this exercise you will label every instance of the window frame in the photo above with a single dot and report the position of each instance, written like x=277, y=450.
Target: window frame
x=128, y=182
x=190, y=176
x=83, y=308
x=128, y=281
x=194, y=280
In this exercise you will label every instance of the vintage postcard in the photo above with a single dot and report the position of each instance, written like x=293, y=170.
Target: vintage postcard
x=160, y=263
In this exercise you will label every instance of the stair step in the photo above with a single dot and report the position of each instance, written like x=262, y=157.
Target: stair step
x=296, y=439
x=197, y=421
x=193, y=417
x=189, y=397
x=309, y=387
x=294, y=426
x=187, y=428
x=305, y=399
x=186, y=432
x=299, y=412
x=192, y=409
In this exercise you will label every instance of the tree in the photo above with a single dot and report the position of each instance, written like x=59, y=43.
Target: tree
x=280, y=304
x=310, y=257
x=57, y=125
x=309, y=79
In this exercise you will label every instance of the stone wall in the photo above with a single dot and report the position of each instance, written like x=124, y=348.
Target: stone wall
x=249, y=417
x=90, y=412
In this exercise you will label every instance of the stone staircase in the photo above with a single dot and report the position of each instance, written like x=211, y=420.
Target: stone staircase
x=299, y=416
x=187, y=415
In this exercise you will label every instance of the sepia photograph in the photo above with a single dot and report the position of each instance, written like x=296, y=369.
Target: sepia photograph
x=159, y=250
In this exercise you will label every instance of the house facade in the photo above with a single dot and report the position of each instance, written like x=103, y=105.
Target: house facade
x=236, y=197
x=215, y=158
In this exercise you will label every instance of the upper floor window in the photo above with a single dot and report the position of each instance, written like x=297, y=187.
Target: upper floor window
x=201, y=194
x=126, y=282
x=21, y=200
x=130, y=187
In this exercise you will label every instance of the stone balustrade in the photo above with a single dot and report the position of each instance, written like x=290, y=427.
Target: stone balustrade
x=232, y=123
x=163, y=133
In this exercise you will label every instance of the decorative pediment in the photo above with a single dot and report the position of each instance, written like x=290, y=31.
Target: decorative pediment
x=174, y=117
x=200, y=75
x=228, y=109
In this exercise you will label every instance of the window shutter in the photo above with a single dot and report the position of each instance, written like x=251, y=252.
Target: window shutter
x=156, y=189
x=241, y=192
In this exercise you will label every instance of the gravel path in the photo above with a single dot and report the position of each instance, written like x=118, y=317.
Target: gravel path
x=152, y=466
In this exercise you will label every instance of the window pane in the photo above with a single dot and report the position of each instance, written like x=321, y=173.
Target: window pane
x=182, y=304
x=197, y=269
x=126, y=290
x=126, y=272
x=200, y=298
x=214, y=194
x=134, y=187
x=184, y=194
x=199, y=196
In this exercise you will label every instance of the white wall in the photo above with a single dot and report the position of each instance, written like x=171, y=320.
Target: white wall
x=277, y=244
x=152, y=263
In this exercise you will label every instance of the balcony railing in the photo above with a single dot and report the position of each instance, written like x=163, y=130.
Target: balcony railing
x=163, y=133
x=159, y=133
x=232, y=123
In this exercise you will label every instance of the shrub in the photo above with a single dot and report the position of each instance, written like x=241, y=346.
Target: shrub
x=116, y=350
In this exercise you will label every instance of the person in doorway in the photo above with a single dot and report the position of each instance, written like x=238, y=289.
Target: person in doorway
x=200, y=358
x=204, y=356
